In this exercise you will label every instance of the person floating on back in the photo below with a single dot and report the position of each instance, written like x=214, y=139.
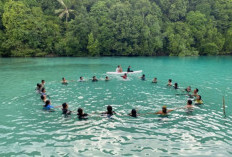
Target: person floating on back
x=143, y=77
x=94, y=79
x=169, y=82
x=128, y=69
x=65, y=109
x=164, y=111
x=124, y=76
x=154, y=80
x=133, y=113
x=81, y=114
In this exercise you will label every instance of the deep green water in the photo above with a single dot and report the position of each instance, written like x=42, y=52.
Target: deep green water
x=27, y=130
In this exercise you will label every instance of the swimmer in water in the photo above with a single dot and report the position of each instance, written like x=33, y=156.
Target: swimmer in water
x=81, y=79
x=124, y=76
x=65, y=109
x=38, y=88
x=109, y=111
x=169, y=82
x=43, y=91
x=107, y=78
x=164, y=111
x=198, y=100
x=133, y=113
x=81, y=114
x=154, y=80
x=128, y=69
x=188, y=89
x=43, y=98
x=143, y=77
x=195, y=93
x=64, y=81
x=42, y=83
x=48, y=105
x=189, y=104
x=176, y=86
x=94, y=79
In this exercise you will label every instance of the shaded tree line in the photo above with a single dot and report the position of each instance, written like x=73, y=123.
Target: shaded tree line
x=115, y=27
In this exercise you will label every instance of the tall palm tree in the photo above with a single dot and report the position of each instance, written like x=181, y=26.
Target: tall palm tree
x=65, y=11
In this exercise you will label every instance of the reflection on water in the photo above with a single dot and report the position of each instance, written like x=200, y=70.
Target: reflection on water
x=28, y=130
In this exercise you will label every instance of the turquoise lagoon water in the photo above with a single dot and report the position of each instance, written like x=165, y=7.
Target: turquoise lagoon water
x=27, y=130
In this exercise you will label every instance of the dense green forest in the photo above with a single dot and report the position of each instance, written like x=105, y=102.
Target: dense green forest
x=115, y=27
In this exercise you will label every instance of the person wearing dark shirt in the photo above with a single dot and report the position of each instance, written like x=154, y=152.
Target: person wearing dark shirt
x=129, y=70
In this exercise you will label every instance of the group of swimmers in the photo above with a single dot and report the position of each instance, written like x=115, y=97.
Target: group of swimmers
x=80, y=112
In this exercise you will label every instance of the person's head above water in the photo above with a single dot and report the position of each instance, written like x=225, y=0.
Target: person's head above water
x=80, y=111
x=42, y=81
x=198, y=97
x=164, y=109
x=109, y=109
x=189, y=102
x=133, y=113
x=176, y=85
x=196, y=90
x=65, y=105
x=81, y=78
x=43, y=97
x=47, y=103
x=169, y=80
x=43, y=90
x=188, y=89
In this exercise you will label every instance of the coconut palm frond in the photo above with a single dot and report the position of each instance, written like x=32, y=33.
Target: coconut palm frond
x=59, y=11
x=62, y=3
x=62, y=15
x=71, y=11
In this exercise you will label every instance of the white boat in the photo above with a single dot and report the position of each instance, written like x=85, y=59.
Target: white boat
x=118, y=73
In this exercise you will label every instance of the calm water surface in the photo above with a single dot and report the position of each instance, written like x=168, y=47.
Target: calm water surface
x=27, y=130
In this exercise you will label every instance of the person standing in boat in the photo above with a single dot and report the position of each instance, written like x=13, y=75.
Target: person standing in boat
x=128, y=69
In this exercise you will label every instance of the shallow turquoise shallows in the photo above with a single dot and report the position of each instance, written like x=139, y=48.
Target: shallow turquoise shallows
x=27, y=130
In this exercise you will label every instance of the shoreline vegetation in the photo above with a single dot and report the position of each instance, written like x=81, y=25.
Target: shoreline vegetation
x=73, y=28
